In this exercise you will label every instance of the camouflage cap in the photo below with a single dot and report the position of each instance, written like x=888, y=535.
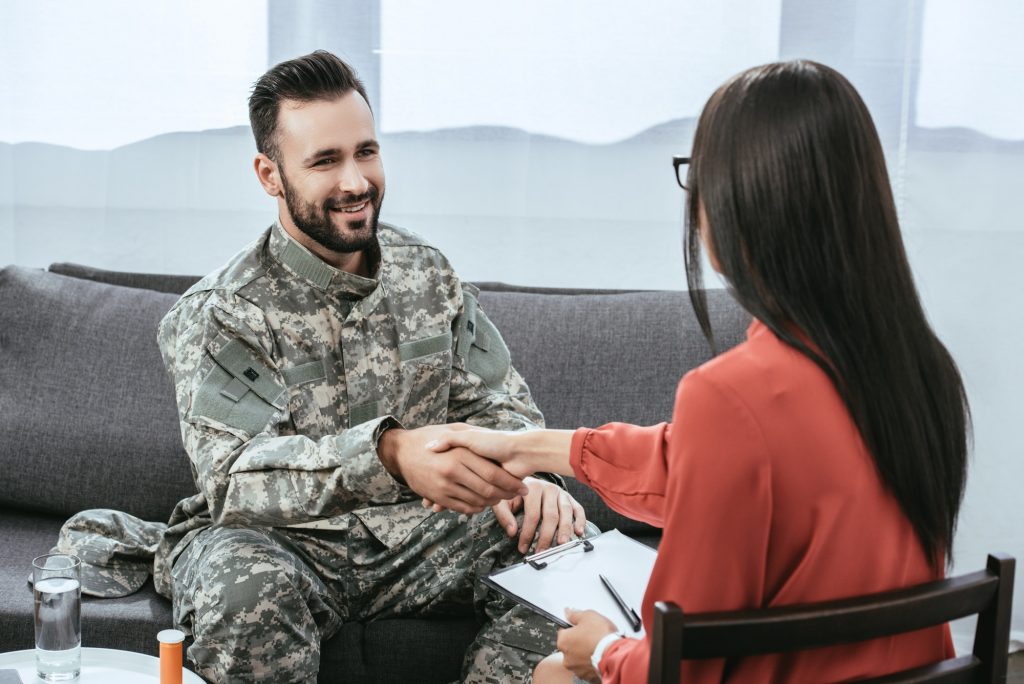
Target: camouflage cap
x=116, y=550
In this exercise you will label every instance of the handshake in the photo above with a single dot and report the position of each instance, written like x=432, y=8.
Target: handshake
x=466, y=469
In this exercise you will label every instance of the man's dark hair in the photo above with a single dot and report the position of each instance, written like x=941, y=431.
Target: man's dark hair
x=789, y=170
x=316, y=76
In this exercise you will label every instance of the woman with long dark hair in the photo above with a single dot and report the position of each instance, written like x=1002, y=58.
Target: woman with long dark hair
x=824, y=457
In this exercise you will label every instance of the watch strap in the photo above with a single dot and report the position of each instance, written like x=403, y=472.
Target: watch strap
x=602, y=645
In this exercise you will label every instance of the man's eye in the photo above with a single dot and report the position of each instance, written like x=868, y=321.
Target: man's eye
x=324, y=162
x=367, y=153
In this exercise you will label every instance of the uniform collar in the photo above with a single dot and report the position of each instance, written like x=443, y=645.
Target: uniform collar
x=313, y=270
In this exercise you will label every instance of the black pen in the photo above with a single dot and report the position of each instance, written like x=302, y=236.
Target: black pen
x=634, y=619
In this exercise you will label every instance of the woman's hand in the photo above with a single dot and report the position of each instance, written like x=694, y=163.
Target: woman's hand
x=457, y=478
x=577, y=642
x=520, y=453
x=497, y=445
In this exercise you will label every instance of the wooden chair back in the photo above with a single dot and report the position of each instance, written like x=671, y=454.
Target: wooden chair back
x=987, y=593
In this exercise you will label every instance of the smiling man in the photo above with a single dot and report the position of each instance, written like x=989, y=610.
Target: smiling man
x=310, y=371
x=332, y=200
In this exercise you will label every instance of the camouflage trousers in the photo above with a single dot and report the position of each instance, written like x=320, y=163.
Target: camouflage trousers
x=259, y=601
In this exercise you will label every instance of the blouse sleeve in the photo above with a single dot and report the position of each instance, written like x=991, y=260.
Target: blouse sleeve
x=625, y=465
x=717, y=512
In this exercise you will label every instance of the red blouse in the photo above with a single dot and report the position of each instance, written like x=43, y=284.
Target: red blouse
x=768, y=497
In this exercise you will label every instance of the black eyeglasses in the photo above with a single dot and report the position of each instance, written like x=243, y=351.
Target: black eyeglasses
x=677, y=163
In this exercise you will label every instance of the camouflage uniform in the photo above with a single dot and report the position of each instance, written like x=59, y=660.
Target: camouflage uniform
x=286, y=372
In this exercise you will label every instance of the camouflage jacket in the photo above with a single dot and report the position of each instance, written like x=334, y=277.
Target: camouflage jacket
x=287, y=370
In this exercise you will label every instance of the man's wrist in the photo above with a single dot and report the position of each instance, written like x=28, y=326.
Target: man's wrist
x=387, y=449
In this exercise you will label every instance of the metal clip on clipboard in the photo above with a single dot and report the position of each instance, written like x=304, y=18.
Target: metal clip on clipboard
x=537, y=564
x=572, y=577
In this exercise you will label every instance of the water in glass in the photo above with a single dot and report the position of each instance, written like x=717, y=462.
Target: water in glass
x=58, y=628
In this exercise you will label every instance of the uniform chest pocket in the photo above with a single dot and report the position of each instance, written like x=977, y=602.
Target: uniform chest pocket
x=310, y=398
x=426, y=372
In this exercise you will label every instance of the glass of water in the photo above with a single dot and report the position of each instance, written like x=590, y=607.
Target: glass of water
x=57, y=591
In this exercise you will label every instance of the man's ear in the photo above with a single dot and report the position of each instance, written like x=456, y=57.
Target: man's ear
x=268, y=174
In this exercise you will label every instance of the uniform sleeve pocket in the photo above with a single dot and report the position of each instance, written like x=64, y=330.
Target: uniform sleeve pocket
x=488, y=356
x=478, y=343
x=240, y=391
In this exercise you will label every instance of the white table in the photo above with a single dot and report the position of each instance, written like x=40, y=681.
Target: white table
x=99, y=666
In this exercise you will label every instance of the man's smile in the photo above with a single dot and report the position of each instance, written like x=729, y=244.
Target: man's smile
x=352, y=208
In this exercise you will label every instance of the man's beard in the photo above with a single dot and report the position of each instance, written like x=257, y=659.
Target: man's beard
x=316, y=222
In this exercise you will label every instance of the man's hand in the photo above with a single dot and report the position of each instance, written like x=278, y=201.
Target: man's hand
x=558, y=513
x=577, y=643
x=456, y=479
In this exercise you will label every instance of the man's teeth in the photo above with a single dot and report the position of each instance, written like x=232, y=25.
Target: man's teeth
x=352, y=210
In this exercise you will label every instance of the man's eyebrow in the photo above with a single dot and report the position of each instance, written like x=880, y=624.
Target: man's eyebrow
x=334, y=151
x=327, y=152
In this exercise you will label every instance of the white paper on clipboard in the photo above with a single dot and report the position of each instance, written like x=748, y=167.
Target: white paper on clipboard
x=570, y=579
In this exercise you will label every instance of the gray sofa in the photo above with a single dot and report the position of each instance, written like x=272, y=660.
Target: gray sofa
x=87, y=420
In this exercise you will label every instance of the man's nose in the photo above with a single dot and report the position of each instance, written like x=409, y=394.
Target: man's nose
x=352, y=180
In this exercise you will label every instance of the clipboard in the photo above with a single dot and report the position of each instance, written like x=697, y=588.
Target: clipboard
x=569, y=576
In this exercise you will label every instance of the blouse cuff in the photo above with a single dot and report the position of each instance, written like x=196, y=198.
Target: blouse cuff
x=612, y=648
x=579, y=439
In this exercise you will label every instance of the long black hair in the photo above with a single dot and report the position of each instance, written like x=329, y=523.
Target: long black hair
x=789, y=171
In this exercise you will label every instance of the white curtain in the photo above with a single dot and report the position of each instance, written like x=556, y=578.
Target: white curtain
x=531, y=142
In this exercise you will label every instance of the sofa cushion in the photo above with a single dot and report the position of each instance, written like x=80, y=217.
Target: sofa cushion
x=24, y=536
x=87, y=414
x=130, y=623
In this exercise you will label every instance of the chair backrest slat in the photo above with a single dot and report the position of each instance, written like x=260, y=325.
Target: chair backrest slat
x=963, y=670
x=799, y=628
x=992, y=635
x=987, y=593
